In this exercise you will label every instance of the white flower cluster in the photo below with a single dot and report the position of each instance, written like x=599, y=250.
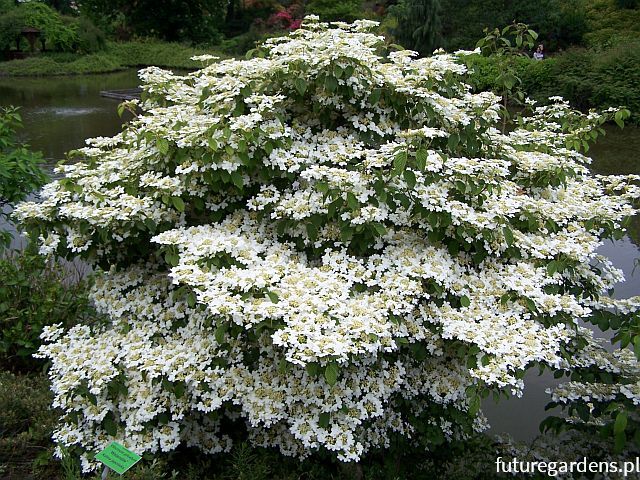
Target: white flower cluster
x=322, y=247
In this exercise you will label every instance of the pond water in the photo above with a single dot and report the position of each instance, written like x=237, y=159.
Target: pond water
x=60, y=112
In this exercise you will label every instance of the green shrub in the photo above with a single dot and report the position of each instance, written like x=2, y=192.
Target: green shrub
x=26, y=425
x=332, y=10
x=559, y=22
x=610, y=25
x=10, y=27
x=24, y=407
x=35, y=292
x=61, y=64
x=536, y=76
x=20, y=171
x=161, y=54
x=90, y=38
x=56, y=31
x=588, y=78
x=627, y=3
x=601, y=79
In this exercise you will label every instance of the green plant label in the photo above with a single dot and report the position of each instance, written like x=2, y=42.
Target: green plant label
x=118, y=458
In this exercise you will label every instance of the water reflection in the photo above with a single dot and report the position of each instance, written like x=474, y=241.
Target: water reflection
x=59, y=113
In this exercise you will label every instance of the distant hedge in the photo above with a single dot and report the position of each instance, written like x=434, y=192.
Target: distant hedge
x=588, y=78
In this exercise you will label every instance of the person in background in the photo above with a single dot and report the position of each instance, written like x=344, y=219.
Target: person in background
x=539, y=53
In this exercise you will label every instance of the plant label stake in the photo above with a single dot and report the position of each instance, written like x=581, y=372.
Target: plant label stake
x=117, y=458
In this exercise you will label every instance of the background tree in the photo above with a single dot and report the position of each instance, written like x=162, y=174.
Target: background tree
x=196, y=20
x=418, y=25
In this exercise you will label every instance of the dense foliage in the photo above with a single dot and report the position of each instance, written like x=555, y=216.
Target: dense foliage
x=34, y=293
x=322, y=248
x=560, y=23
x=195, y=20
x=56, y=32
x=418, y=25
x=587, y=78
x=20, y=172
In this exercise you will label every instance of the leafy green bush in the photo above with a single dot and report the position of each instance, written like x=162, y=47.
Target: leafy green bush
x=588, y=78
x=559, y=22
x=161, y=54
x=10, y=27
x=61, y=65
x=116, y=56
x=56, y=32
x=332, y=10
x=601, y=79
x=90, y=38
x=26, y=423
x=20, y=171
x=536, y=76
x=418, y=27
x=34, y=293
x=609, y=25
x=627, y=3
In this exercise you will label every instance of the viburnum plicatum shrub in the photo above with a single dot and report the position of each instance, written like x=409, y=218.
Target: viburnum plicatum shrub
x=327, y=248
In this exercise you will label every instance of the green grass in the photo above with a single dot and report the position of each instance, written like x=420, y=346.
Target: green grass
x=117, y=56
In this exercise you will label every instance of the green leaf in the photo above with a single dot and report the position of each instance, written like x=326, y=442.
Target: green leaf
x=312, y=369
x=163, y=418
x=191, y=299
x=283, y=366
x=352, y=201
x=220, y=333
x=273, y=297
x=171, y=258
x=620, y=423
x=421, y=159
x=331, y=373
x=453, y=141
x=464, y=301
x=236, y=178
x=331, y=83
x=322, y=187
x=179, y=388
x=399, y=163
x=163, y=145
x=301, y=85
x=474, y=405
x=508, y=235
x=324, y=420
x=374, y=97
x=312, y=231
x=178, y=203
x=382, y=230
x=552, y=267
x=410, y=178
x=110, y=425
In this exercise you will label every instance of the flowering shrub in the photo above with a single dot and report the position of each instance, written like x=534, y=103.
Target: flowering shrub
x=287, y=19
x=327, y=249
